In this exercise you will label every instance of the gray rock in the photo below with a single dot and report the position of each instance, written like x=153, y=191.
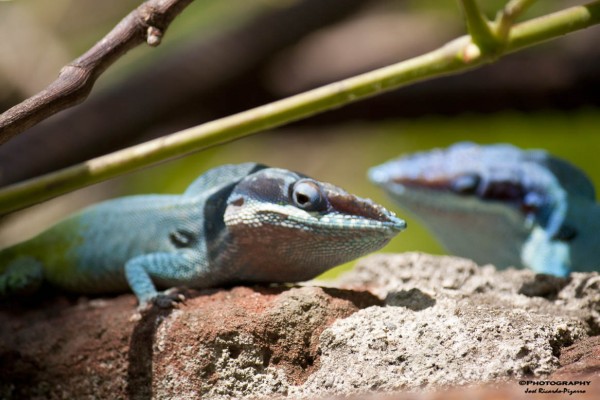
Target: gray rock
x=388, y=275
x=453, y=342
x=449, y=322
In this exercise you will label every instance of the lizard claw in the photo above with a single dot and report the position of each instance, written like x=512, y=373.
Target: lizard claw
x=163, y=300
x=168, y=298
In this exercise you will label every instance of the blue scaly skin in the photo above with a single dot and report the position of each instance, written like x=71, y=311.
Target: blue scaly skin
x=234, y=224
x=502, y=205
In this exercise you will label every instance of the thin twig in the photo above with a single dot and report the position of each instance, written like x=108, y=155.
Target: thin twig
x=509, y=14
x=457, y=56
x=479, y=27
x=147, y=23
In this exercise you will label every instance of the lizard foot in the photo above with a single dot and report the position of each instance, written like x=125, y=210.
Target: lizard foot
x=168, y=298
x=163, y=300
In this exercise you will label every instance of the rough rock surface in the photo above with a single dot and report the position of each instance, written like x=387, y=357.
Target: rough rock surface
x=390, y=276
x=219, y=344
x=450, y=343
x=438, y=322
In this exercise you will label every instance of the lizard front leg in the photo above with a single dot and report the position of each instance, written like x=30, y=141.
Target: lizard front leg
x=546, y=255
x=176, y=268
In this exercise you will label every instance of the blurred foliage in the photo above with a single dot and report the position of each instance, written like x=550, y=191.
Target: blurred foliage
x=207, y=18
x=77, y=24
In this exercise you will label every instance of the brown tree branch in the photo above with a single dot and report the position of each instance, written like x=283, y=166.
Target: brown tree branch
x=190, y=86
x=147, y=23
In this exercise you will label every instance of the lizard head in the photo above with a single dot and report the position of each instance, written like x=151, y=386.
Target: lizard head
x=488, y=202
x=301, y=226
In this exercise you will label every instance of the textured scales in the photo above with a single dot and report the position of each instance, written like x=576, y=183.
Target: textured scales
x=236, y=223
x=499, y=204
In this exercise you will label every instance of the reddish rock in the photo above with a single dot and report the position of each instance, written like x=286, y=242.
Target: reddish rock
x=580, y=361
x=66, y=350
x=99, y=349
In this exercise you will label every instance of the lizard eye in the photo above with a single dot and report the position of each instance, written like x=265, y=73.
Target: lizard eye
x=566, y=233
x=504, y=191
x=181, y=238
x=307, y=195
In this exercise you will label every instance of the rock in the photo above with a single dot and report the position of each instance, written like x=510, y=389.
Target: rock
x=249, y=343
x=580, y=361
x=436, y=322
x=386, y=275
x=454, y=342
x=219, y=344
x=449, y=322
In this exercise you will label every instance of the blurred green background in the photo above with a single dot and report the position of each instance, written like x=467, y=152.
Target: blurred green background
x=224, y=56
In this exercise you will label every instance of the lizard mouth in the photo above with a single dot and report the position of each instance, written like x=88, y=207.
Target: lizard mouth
x=358, y=212
x=510, y=191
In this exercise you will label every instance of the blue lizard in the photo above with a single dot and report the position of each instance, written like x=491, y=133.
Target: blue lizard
x=236, y=223
x=502, y=205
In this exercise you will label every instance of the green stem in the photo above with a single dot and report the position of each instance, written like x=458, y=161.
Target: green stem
x=479, y=27
x=552, y=26
x=509, y=14
x=459, y=55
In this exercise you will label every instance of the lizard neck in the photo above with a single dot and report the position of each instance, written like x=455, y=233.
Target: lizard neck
x=468, y=228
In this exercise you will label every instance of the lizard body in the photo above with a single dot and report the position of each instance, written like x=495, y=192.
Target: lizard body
x=502, y=205
x=236, y=223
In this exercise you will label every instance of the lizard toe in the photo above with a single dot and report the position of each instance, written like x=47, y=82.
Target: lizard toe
x=168, y=299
